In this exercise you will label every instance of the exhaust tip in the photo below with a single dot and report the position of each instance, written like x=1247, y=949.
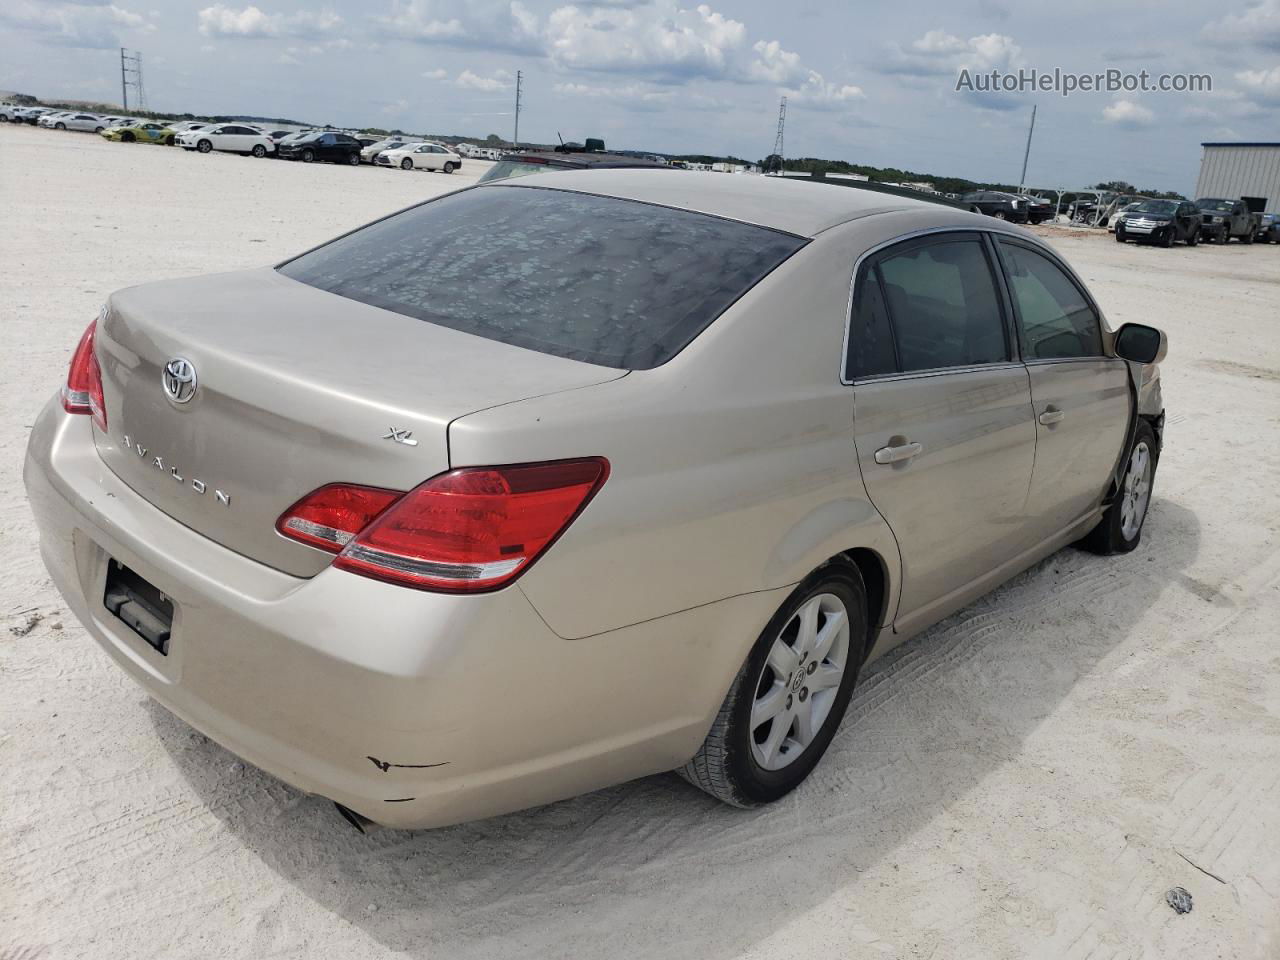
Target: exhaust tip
x=353, y=818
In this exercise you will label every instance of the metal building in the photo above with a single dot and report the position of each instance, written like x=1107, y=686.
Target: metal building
x=1232, y=170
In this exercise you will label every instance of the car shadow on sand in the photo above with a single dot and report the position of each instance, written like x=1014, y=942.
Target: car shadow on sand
x=654, y=868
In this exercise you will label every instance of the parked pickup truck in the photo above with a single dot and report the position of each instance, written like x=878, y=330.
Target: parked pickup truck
x=1224, y=219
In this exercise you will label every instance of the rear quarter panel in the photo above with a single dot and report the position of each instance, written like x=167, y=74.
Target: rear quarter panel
x=734, y=468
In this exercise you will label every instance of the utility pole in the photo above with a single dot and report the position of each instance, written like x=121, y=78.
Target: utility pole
x=131, y=76
x=778, y=140
x=515, y=140
x=1022, y=182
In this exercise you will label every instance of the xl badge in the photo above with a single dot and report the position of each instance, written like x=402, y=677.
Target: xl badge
x=179, y=379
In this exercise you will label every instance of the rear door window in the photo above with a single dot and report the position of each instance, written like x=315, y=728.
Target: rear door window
x=942, y=299
x=614, y=282
x=1056, y=322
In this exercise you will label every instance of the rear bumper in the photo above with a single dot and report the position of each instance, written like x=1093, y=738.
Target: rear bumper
x=414, y=709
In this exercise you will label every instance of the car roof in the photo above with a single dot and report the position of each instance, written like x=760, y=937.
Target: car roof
x=805, y=209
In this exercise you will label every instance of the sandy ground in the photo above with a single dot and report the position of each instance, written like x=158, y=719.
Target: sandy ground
x=1025, y=780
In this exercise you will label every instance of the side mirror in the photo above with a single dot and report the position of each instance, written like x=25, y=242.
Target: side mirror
x=1141, y=344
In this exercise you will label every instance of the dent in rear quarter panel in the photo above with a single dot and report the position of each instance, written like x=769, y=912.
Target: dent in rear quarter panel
x=733, y=465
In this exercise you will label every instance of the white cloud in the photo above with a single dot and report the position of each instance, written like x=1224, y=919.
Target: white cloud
x=251, y=21
x=439, y=74
x=819, y=93
x=94, y=26
x=1128, y=115
x=938, y=54
x=1261, y=86
x=1258, y=25
x=468, y=80
x=504, y=25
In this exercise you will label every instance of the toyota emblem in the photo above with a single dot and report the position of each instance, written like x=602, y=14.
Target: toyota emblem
x=179, y=379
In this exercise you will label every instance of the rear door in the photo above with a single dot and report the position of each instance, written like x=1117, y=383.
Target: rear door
x=1081, y=395
x=942, y=413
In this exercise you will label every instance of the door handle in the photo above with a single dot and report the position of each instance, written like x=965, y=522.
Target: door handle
x=898, y=454
x=1051, y=416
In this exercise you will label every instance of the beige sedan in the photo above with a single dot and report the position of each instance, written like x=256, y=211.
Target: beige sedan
x=560, y=481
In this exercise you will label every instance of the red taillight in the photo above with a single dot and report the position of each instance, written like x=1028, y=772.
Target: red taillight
x=83, y=390
x=329, y=517
x=466, y=531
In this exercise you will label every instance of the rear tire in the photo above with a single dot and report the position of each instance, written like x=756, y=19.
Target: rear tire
x=818, y=636
x=353, y=159
x=1120, y=529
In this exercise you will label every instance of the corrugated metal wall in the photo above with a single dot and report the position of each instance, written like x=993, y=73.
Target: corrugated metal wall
x=1233, y=172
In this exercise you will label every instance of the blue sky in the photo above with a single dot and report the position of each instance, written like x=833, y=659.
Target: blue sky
x=868, y=83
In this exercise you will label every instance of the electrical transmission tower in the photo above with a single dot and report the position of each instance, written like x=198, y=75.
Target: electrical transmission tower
x=515, y=139
x=775, y=160
x=131, y=78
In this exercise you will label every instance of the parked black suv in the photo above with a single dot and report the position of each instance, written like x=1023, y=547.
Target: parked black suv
x=334, y=147
x=1159, y=221
x=1002, y=206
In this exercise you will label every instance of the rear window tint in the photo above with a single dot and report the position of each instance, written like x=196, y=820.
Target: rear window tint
x=606, y=281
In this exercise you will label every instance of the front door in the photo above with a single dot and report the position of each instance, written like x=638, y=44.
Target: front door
x=942, y=415
x=1081, y=395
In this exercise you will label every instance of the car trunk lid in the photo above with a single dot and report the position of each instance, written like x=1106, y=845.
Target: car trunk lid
x=294, y=388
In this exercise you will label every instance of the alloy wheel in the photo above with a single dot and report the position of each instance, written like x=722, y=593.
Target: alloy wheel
x=799, y=681
x=1136, y=492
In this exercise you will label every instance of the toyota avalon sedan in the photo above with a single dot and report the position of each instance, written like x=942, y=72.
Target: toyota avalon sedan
x=637, y=478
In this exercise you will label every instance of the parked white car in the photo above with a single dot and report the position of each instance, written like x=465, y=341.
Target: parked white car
x=422, y=156
x=29, y=114
x=229, y=138
x=84, y=122
x=370, y=153
x=48, y=119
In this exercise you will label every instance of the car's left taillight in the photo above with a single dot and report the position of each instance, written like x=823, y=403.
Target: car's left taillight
x=466, y=531
x=82, y=392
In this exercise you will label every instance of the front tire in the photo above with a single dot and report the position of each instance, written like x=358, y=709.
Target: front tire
x=406, y=164
x=1000, y=215
x=308, y=156
x=448, y=166
x=60, y=125
x=1120, y=529
x=787, y=701
x=127, y=137
x=204, y=146
x=259, y=151
x=97, y=129
x=1193, y=238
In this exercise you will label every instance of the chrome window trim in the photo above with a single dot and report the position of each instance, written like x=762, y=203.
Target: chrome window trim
x=937, y=372
x=848, y=313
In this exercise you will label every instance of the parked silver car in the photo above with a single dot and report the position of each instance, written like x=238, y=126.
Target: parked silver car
x=636, y=478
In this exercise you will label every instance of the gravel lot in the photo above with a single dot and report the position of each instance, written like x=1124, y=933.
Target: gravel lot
x=1025, y=780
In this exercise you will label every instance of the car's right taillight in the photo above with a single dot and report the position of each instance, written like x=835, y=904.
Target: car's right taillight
x=465, y=531
x=82, y=392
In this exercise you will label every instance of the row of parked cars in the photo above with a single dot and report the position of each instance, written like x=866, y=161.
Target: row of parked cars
x=308, y=146
x=1165, y=222
x=1211, y=219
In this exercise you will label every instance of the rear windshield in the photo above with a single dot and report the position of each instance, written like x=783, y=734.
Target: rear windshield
x=606, y=281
